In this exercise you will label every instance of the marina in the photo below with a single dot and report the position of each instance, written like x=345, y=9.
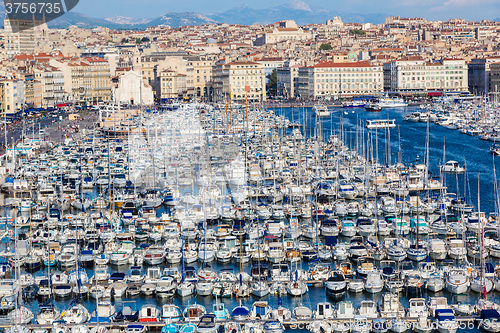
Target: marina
x=202, y=217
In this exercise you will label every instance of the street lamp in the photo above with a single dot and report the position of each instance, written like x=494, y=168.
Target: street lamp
x=13, y=154
x=4, y=116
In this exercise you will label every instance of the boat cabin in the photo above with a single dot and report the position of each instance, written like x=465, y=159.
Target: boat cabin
x=324, y=310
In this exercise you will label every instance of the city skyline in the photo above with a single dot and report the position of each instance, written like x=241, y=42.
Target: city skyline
x=429, y=9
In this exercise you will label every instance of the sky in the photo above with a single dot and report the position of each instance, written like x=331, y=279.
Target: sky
x=429, y=9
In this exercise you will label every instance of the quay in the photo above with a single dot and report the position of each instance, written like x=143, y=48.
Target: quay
x=157, y=326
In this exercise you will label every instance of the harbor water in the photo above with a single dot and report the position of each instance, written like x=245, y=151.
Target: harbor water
x=406, y=144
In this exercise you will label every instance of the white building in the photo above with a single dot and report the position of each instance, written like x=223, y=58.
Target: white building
x=338, y=80
x=415, y=74
x=132, y=90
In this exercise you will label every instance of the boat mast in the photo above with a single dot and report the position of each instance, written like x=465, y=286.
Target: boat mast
x=482, y=290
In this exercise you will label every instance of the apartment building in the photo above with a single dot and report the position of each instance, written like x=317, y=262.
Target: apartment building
x=19, y=36
x=495, y=79
x=87, y=81
x=29, y=88
x=240, y=80
x=284, y=31
x=338, y=80
x=49, y=86
x=416, y=74
x=173, y=84
x=479, y=74
x=12, y=95
x=100, y=80
x=200, y=71
x=331, y=29
x=287, y=80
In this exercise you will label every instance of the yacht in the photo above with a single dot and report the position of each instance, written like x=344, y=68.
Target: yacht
x=457, y=249
x=445, y=319
x=336, y=284
x=104, y=312
x=321, y=110
x=368, y=309
x=260, y=310
x=457, y=281
x=171, y=312
x=452, y=167
x=374, y=283
x=387, y=102
x=437, y=249
x=324, y=310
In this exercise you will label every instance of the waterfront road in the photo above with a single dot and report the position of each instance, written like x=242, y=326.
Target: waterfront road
x=55, y=125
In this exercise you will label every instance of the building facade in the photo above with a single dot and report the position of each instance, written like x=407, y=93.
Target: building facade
x=12, y=96
x=133, y=90
x=240, y=80
x=200, y=71
x=19, y=36
x=495, y=80
x=87, y=81
x=416, y=74
x=338, y=80
x=287, y=81
x=173, y=84
x=51, y=86
x=479, y=75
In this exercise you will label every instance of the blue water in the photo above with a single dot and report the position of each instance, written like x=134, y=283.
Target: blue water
x=412, y=137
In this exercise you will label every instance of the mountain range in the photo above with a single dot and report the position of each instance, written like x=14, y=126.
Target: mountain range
x=296, y=10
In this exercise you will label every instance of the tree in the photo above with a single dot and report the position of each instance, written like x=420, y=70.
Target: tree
x=272, y=85
x=325, y=47
x=124, y=40
x=145, y=39
x=138, y=41
x=357, y=32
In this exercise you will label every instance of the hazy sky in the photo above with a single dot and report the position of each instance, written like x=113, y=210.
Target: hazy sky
x=430, y=9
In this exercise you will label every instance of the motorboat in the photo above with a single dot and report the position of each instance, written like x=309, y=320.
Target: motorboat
x=240, y=313
x=149, y=313
x=126, y=314
x=321, y=110
x=103, y=313
x=336, y=284
x=445, y=319
x=457, y=281
x=452, y=167
x=261, y=310
x=273, y=326
x=171, y=312
x=208, y=324
x=374, y=283
x=194, y=312
x=324, y=310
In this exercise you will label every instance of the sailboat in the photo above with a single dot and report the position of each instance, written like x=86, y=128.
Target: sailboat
x=480, y=284
x=21, y=314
